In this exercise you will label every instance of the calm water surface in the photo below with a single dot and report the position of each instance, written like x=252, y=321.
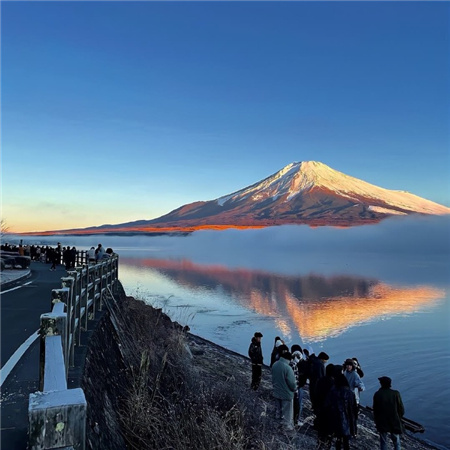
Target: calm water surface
x=379, y=293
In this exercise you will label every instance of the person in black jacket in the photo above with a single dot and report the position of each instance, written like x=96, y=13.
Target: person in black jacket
x=256, y=356
x=340, y=412
x=388, y=411
x=275, y=356
x=317, y=371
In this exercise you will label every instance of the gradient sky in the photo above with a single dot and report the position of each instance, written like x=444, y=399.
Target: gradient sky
x=119, y=111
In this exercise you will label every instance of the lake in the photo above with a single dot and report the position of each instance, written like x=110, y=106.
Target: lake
x=380, y=293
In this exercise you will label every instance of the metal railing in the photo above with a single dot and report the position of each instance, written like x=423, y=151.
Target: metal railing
x=57, y=415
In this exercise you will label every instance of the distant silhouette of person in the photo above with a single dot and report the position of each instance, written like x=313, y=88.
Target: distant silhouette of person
x=72, y=257
x=256, y=357
x=388, y=411
x=99, y=252
x=66, y=257
x=91, y=255
x=53, y=257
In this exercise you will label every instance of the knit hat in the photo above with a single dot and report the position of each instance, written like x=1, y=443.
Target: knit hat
x=282, y=349
x=258, y=334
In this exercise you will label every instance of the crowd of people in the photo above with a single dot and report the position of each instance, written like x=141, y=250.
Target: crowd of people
x=58, y=254
x=334, y=391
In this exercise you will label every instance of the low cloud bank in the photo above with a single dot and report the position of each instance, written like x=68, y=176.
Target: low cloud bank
x=413, y=248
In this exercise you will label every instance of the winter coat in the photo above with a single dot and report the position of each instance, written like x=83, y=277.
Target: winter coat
x=317, y=371
x=283, y=380
x=255, y=352
x=294, y=365
x=304, y=371
x=388, y=411
x=341, y=412
x=355, y=383
x=274, y=357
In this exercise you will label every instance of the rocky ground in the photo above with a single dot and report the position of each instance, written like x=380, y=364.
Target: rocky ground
x=149, y=383
x=218, y=364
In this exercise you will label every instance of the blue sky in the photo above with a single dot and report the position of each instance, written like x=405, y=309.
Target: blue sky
x=119, y=111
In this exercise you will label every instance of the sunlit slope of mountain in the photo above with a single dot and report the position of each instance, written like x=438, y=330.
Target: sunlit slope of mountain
x=304, y=192
x=307, y=192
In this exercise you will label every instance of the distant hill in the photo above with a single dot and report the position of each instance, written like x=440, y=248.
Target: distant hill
x=307, y=192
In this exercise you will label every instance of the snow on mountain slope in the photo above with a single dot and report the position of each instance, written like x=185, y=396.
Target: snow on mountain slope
x=300, y=177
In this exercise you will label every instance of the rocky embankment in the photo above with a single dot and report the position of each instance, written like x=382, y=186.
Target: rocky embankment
x=150, y=384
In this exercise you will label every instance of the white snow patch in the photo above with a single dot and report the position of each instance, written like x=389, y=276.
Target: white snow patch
x=386, y=210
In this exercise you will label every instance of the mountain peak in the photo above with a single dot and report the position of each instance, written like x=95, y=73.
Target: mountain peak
x=305, y=192
x=300, y=179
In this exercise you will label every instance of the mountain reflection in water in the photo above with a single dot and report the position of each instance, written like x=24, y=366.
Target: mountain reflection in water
x=318, y=307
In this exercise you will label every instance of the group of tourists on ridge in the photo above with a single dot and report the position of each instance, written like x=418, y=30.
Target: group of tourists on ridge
x=333, y=391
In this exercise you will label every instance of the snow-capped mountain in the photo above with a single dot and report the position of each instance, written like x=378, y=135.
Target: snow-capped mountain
x=307, y=192
x=303, y=192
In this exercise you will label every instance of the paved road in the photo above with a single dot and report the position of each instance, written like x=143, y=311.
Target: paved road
x=21, y=308
x=20, y=315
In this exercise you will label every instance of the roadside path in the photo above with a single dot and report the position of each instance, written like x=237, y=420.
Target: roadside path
x=25, y=295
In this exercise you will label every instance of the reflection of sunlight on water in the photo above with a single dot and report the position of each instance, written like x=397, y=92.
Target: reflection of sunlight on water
x=331, y=317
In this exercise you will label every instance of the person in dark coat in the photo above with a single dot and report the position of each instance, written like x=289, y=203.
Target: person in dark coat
x=72, y=257
x=317, y=371
x=256, y=356
x=388, y=411
x=275, y=356
x=54, y=258
x=323, y=388
x=66, y=257
x=341, y=412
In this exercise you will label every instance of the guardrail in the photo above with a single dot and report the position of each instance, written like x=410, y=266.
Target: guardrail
x=57, y=415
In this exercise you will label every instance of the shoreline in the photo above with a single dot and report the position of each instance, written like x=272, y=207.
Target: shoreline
x=139, y=329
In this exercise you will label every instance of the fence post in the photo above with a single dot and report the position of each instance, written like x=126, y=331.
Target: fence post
x=52, y=324
x=57, y=419
x=101, y=285
x=68, y=283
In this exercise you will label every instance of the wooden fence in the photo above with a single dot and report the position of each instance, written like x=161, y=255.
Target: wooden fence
x=57, y=415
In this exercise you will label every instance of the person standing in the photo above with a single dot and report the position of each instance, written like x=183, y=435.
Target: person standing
x=99, y=252
x=284, y=387
x=256, y=356
x=91, y=255
x=66, y=257
x=340, y=412
x=354, y=380
x=54, y=258
x=275, y=353
x=388, y=411
x=297, y=356
x=317, y=371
